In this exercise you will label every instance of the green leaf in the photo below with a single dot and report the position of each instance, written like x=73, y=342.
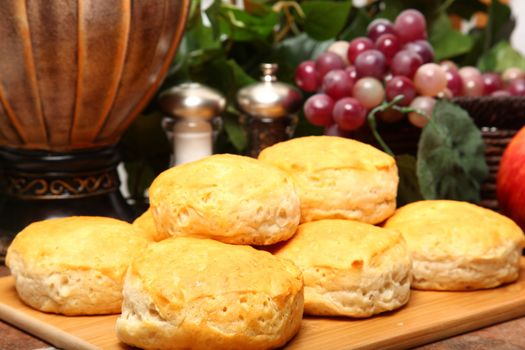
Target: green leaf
x=235, y=132
x=446, y=41
x=239, y=25
x=501, y=57
x=325, y=19
x=358, y=24
x=408, y=190
x=500, y=24
x=450, y=159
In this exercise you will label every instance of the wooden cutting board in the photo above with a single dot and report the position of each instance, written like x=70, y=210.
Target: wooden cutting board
x=429, y=316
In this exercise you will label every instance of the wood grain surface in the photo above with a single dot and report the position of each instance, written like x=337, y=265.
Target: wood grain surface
x=428, y=317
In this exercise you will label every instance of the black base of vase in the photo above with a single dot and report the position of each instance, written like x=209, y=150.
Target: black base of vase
x=42, y=185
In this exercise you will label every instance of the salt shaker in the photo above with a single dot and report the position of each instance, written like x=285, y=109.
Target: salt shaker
x=192, y=119
x=269, y=110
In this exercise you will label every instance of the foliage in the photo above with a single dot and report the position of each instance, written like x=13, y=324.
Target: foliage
x=226, y=53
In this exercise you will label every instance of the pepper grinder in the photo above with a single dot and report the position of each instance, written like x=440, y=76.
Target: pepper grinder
x=192, y=120
x=269, y=110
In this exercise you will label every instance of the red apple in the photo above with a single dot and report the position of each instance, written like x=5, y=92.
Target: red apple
x=511, y=179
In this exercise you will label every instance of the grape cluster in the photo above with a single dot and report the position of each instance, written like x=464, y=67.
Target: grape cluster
x=351, y=78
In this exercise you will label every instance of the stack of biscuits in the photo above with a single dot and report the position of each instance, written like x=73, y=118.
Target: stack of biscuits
x=233, y=250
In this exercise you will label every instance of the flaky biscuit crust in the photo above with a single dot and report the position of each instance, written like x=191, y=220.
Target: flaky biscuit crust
x=459, y=246
x=338, y=178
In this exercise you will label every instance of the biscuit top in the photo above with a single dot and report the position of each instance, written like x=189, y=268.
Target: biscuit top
x=454, y=228
x=78, y=243
x=315, y=153
x=340, y=244
x=216, y=180
x=179, y=270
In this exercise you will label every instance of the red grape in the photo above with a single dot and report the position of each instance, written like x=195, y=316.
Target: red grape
x=369, y=91
x=410, y=25
x=337, y=84
x=352, y=73
x=472, y=81
x=306, y=76
x=318, y=110
x=454, y=82
x=378, y=27
x=430, y=79
x=422, y=48
x=349, y=113
x=500, y=93
x=390, y=116
x=405, y=63
x=517, y=87
x=326, y=62
x=334, y=130
x=491, y=82
x=357, y=46
x=424, y=104
x=388, y=44
x=370, y=63
x=400, y=85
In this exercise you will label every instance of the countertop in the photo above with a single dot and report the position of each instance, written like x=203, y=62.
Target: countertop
x=508, y=335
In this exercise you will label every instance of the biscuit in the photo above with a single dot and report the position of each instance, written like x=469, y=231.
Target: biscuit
x=350, y=268
x=458, y=246
x=229, y=198
x=192, y=293
x=74, y=265
x=338, y=178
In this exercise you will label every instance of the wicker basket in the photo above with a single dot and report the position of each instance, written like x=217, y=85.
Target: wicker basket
x=499, y=119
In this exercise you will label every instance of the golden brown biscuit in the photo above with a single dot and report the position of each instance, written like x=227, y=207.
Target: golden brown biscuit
x=74, y=265
x=191, y=293
x=146, y=225
x=233, y=199
x=458, y=245
x=350, y=268
x=338, y=178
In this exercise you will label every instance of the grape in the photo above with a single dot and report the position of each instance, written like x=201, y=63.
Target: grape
x=410, y=25
x=337, y=84
x=511, y=74
x=318, y=110
x=445, y=93
x=454, y=82
x=390, y=116
x=500, y=93
x=369, y=92
x=349, y=114
x=424, y=104
x=448, y=65
x=334, y=130
x=405, y=63
x=516, y=87
x=370, y=63
x=352, y=73
x=472, y=81
x=357, y=46
x=326, y=62
x=388, y=44
x=341, y=49
x=400, y=85
x=379, y=27
x=306, y=76
x=491, y=82
x=422, y=48
x=430, y=79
